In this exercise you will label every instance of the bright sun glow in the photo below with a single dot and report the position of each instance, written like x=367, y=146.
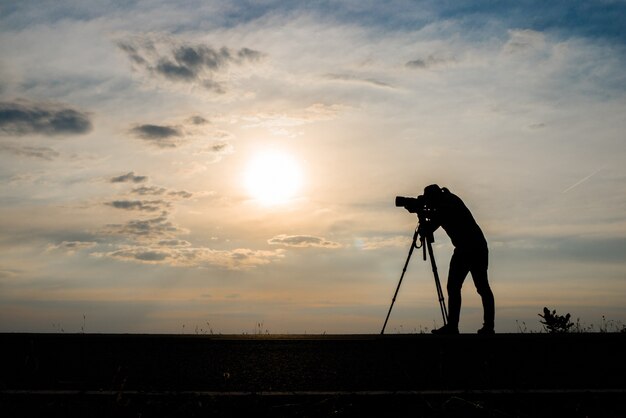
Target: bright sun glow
x=273, y=178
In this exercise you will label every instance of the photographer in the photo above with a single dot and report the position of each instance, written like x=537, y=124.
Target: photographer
x=443, y=209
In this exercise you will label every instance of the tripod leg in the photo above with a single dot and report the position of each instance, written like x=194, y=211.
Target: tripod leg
x=440, y=295
x=400, y=282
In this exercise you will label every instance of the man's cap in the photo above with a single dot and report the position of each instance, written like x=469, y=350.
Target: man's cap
x=432, y=190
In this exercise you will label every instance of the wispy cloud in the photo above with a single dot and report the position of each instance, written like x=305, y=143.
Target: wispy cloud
x=186, y=131
x=43, y=153
x=217, y=150
x=184, y=256
x=157, y=228
x=430, y=62
x=302, y=241
x=149, y=190
x=161, y=191
x=182, y=194
x=524, y=40
x=178, y=62
x=22, y=117
x=129, y=178
x=313, y=113
x=72, y=247
x=358, y=79
x=140, y=205
x=161, y=136
x=198, y=120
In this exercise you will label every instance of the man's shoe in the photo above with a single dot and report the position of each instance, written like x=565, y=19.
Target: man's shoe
x=486, y=330
x=446, y=330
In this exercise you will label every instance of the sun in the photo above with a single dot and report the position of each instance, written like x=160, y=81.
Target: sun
x=273, y=178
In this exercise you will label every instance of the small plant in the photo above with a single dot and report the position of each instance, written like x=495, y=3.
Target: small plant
x=202, y=331
x=555, y=324
x=609, y=325
x=258, y=329
x=521, y=327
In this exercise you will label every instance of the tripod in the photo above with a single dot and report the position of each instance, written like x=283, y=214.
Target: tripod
x=426, y=239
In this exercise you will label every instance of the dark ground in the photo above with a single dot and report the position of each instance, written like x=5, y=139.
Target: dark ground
x=505, y=375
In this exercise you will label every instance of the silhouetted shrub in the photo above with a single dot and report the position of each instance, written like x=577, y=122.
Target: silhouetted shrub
x=555, y=324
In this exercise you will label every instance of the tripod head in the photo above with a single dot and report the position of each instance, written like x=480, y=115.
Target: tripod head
x=420, y=206
x=424, y=230
x=425, y=235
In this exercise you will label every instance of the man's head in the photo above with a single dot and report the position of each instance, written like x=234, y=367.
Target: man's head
x=432, y=194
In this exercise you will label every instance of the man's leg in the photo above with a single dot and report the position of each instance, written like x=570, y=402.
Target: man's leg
x=459, y=267
x=479, y=275
x=484, y=290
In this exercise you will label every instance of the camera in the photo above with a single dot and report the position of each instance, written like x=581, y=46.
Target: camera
x=412, y=204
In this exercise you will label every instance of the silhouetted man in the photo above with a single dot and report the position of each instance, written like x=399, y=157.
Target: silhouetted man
x=470, y=255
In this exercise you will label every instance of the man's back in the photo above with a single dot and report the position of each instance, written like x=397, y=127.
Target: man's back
x=456, y=219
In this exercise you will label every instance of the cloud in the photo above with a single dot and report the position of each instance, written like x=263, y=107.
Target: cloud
x=157, y=228
x=129, y=178
x=217, y=150
x=149, y=190
x=162, y=136
x=174, y=243
x=183, y=256
x=198, y=120
x=22, y=117
x=71, y=247
x=43, y=153
x=132, y=53
x=141, y=205
x=161, y=191
x=350, y=77
x=248, y=54
x=188, y=63
x=156, y=131
x=219, y=147
x=185, y=132
x=301, y=241
x=183, y=194
x=430, y=62
x=524, y=40
x=292, y=118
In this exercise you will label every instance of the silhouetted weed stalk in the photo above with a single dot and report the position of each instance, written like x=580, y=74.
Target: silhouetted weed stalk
x=258, y=330
x=200, y=330
x=521, y=327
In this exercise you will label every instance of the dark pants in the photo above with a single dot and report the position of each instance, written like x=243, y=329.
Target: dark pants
x=473, y=261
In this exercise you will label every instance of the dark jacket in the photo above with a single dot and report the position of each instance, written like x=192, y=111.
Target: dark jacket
x=449, y=212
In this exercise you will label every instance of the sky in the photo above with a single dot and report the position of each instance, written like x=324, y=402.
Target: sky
x=231, y=167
